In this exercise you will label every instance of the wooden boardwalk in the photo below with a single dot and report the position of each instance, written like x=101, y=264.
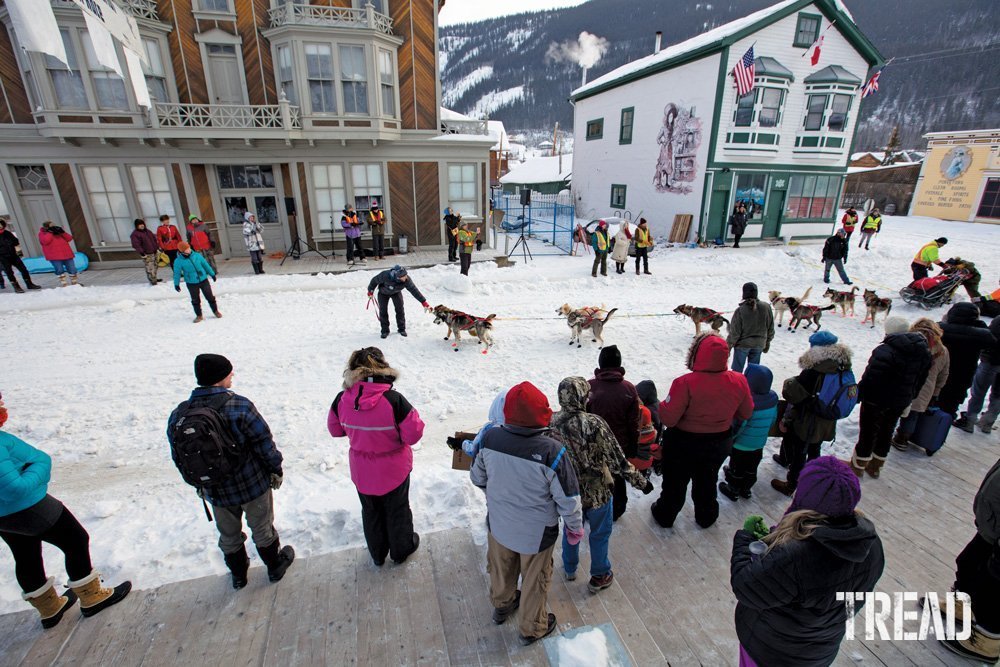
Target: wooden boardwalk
x=671, y=603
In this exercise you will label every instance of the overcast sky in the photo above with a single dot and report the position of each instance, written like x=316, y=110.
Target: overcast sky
x=463, y=11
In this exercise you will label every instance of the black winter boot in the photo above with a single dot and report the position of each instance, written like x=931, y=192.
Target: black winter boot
x=31, y=285
x=238, y=564
x=17, y=286
x=277, y=558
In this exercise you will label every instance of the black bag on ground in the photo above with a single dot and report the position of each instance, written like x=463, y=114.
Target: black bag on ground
x=204, y=448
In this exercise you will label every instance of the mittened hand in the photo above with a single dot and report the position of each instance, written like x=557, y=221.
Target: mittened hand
x=213, y=279
x=574, y=536
x=177, y=288
x=276, y=481
x=648, y=489
x=755, y=525
x=370, y=294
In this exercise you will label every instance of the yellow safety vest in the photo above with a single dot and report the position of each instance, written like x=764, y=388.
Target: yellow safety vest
x=928, y=254
x=872, y=223
x=642, y=238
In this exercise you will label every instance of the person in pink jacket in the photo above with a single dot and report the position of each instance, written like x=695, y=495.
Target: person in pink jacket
x=381, y=427
x=56, y=248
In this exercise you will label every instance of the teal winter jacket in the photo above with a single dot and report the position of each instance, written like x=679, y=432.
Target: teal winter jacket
x=195, y=269
x=752, y=435
x=24, y=474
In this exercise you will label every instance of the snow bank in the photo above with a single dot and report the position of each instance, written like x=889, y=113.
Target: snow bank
x=92, y=373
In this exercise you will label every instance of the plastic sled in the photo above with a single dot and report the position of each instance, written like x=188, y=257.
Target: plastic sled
x=42, y=265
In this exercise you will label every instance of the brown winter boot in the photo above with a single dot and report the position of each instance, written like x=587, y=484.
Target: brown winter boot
x=874, y=466
x=961, y=609
x=94, y=597
x=62, y=280
x=73, y=279
x=197, y=319
x=981, y=645
x=50, y=605
x=858, y=465
x=17, y=286
x=217, y=313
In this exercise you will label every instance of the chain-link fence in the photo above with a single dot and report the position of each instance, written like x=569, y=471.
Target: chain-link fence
x=549, y=219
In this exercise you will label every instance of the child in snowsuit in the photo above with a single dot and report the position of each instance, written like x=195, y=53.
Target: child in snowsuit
x=649, y=399
x=751, y=436
x=472, y=447
x=649, y=446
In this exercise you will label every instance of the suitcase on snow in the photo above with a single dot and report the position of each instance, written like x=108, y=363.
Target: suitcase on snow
x=932, y=430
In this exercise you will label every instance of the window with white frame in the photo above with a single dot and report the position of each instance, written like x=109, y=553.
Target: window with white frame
x=286, y=74
x=108, y=202
x=838, y=112
x=330, y=193
x=744, y=109
x=214, y=6
x=66, y=80
x=319, y=70
x=32, y=178
x=770, y=107
x=154, y=72
x=463, y=194
x=366, y=185
x=152, y=193
x=109, y=88
x=387, y=82
x=815, y=107
x=354, y=78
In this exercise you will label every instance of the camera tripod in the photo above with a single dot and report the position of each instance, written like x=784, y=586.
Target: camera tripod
x=522, y=241
x=295, y=250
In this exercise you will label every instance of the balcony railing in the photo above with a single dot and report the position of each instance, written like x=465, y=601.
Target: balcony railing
x=464, y=127
x=283, y=116
x=141, y=9
x=329, y=17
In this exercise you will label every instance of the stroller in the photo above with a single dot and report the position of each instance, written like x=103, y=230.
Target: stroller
x=934, y=291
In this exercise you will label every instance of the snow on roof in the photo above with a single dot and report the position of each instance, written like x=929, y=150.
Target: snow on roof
x=904, y=155
x=696, y=42
x=855, y=170
x=448, y=114
x=541, y=170
x=498, y=134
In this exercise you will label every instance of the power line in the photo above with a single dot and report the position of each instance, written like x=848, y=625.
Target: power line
x=921, y=58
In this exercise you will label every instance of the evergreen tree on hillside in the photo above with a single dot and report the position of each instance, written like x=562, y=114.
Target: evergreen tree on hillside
x=892, y=148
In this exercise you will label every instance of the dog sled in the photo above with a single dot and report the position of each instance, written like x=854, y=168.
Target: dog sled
x=934, y=291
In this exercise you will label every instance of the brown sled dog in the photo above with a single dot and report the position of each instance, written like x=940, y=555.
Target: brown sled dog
x=701, y=315
x=874, y=305
x=457, y=322
x=843, y=299
x=588, y=317
x=783, y=304
x=808, y=314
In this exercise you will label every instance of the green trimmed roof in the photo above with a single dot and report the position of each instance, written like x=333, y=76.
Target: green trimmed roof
x=765, y=66
x=725, y=35
x=833, y=74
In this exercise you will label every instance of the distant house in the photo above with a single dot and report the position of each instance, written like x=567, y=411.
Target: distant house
x=545, y=175
x=667, y=134
x=891, y=187
x=875, y=158
x=500, y=152
x=960, y=179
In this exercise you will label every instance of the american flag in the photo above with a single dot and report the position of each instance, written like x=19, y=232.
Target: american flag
x=744, y=73
x=872, y=86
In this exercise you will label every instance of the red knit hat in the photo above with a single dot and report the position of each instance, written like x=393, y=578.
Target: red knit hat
x=527, y=406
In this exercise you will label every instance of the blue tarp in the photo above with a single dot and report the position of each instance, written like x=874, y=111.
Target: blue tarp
x=42, y=265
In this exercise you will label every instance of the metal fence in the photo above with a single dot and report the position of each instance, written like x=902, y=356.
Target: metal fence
x=549, y=219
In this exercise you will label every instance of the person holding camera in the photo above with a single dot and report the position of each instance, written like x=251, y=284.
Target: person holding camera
x=452, y=219
x=9, y=260
x=168, y=237
x=56, y=248
x=254, y=470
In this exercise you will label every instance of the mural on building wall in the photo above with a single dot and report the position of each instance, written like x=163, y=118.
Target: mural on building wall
x=679, y=139
x=956, y=162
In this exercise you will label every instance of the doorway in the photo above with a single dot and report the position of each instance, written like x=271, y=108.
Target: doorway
x=225, y=76
x=772, y=221
x=718, y=215
x=251, y=189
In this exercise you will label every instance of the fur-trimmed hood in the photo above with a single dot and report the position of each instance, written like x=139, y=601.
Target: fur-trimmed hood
x=836, y=356
x=382, y=376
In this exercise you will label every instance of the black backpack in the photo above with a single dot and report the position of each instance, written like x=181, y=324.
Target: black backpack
x=205, y=450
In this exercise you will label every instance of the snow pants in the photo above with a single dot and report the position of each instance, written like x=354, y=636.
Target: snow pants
x=876, y=425
x=388, y=523
x=742, y=472
x=695, y=459
x=383, y=311
x=48, y=520
x=465, y=261
x=149, y=263
x=204, y=288
x=260, y=519
x=11, y=263
x=795, y=452
x=535, y=570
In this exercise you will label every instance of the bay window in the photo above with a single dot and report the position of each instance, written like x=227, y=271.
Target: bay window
x=354, y=78
x=66, y=80
x=815, y=107
x=286, y=74
x=109, y=88
x=744, y=109
x=154, y=72
x=838, y=112
x=770, y=107
x=319, y=69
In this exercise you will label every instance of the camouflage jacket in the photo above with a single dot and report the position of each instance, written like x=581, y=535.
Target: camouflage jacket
x=591, y=445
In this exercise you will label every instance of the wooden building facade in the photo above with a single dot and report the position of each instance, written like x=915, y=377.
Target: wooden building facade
x=282, y=109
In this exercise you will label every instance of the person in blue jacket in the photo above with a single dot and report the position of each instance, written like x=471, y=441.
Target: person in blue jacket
x=30, y=516
x=196, y=271
x=750, y=438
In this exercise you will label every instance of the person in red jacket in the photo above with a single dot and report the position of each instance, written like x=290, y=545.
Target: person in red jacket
x=381, y=427
x=200, y=241
x=699, y=412
x=849, y=221
x=168, y=237
x=56, y=248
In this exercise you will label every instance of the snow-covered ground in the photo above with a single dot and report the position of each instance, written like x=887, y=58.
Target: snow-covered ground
x=91, y=374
